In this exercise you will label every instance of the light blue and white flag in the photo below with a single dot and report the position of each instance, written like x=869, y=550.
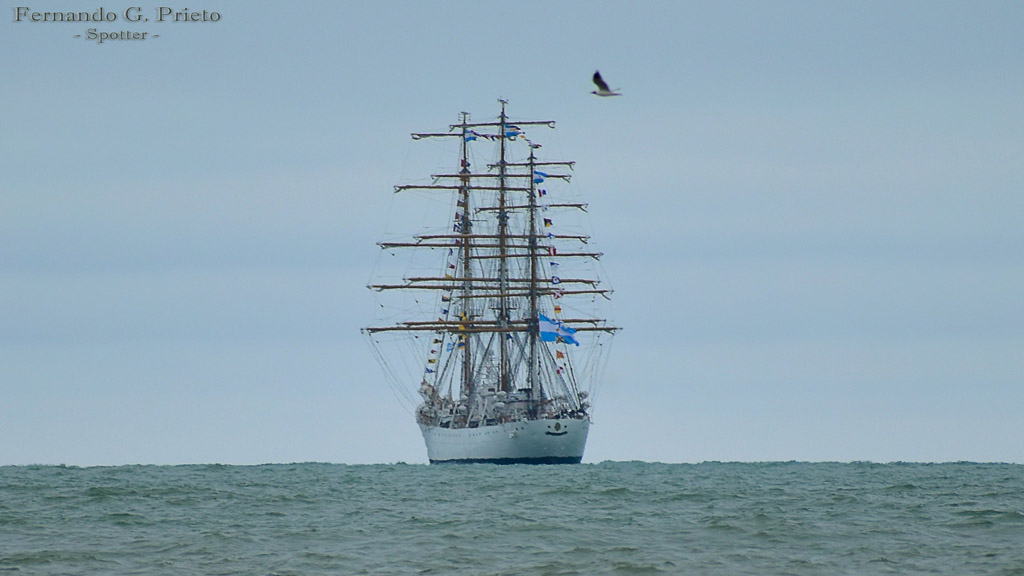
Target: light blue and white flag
x=555, y=331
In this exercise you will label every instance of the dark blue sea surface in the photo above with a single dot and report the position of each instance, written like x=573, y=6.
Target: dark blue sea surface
x=589, y=519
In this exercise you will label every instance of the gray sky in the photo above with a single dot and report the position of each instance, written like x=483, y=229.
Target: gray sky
x=811, y=215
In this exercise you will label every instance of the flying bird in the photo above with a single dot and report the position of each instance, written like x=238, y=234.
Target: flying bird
x=602, y=86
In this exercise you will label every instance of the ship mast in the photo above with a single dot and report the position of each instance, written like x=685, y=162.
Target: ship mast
x=467, y=270
x=533, y=378
x=503, y=304
x=496, y=286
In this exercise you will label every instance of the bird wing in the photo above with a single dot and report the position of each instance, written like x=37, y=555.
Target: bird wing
x=600, y=82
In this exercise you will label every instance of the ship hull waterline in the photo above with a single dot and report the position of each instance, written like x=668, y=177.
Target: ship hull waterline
x=545, y=441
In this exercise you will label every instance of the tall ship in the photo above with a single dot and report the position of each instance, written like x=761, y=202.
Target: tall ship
x=493, y=319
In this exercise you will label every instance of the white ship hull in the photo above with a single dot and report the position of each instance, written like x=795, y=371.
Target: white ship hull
x=547, y=441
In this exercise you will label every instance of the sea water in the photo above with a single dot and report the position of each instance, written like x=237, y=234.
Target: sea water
x=589, y=519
